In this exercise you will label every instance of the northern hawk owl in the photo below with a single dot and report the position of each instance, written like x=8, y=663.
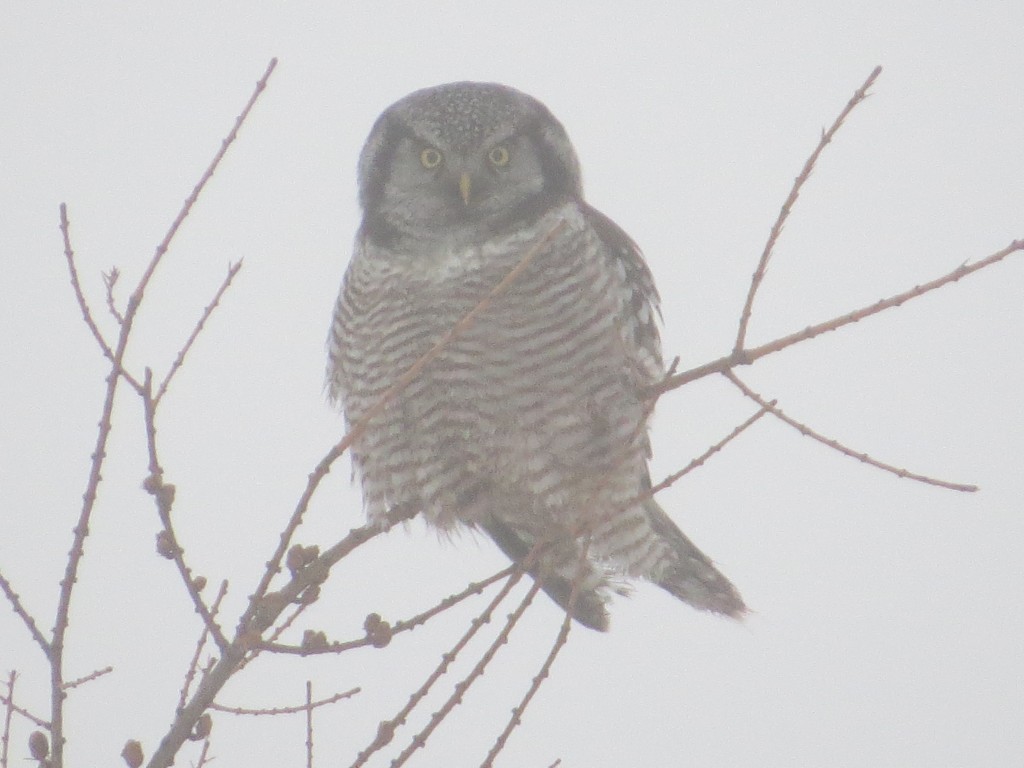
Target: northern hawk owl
x=530, y=425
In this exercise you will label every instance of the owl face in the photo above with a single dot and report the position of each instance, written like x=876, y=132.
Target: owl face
x=458, y=157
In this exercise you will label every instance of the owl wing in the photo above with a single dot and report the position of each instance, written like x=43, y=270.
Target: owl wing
x=639, y=311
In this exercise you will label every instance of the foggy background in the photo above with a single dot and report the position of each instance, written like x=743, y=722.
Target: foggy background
x=887, y=623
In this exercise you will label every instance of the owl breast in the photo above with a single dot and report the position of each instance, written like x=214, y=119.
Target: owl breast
x=532, y=413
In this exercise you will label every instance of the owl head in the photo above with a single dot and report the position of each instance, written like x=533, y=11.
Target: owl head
x=462, y=156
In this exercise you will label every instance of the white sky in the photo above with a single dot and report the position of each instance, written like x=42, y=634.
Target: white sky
x=888, y=623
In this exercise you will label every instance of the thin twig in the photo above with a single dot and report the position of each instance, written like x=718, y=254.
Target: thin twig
x=110, y=280
x=99, y=453
x=271, y=645
x=203, y=754
x=76, y=285
x=7, y=701
x=15, y=600
x=699, y=461
x=400, y=626
x=386, y=729
x=762, y=266
x=264, y=615
x=5, y=739
x=324, y=466
x=803, y=429
x=176, y=365
x=80, y=532
x=136, y=297
x=88, y=678
x=420, y=739
x=473, y=589
x=294, y=710
x=749, y=356
x=545, y=669
x=193, y=665
x=163, y=494
x=284, y=625
x=309, y=723
x=270, y=606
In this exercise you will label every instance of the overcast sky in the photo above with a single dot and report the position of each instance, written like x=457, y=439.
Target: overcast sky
x=887, y=621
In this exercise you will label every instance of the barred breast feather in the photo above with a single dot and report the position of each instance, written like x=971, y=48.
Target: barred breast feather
x=531, y=424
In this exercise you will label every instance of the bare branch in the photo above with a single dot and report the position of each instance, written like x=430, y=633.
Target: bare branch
x=563, y=635
x=83, y=304
x=386, y=730
x=88, y=678
x=186, y=208
x=176, y=365
x=762, y=266
x=262, y=615
x=193, y=665
x=803, y=429
x=76, y=285
x=545, y=670
x=109, y=281
x=163, y=494
x=116, y=357
x=203, y=760
x=420, y=739
x=5, y=739
x=270, y=606
x=80, y=531
x=8, y=701
x=401, y=626
x=294, y=710
x=15, y=600
x=473, y=589
x=699, y=461
x=271, y=644
x=749, y=356
x=309, y=723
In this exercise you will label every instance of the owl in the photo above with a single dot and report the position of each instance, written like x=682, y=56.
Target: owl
x=530, y=425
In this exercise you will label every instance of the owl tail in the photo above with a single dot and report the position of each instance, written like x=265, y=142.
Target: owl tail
x=690, y=575
x=589, y=607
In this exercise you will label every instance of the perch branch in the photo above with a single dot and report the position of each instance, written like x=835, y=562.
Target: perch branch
x=749, y=356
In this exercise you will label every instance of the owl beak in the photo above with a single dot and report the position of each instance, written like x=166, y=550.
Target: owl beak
x=465, y=185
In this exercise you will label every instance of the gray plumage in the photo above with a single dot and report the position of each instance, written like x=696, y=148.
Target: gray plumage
x=531, y=425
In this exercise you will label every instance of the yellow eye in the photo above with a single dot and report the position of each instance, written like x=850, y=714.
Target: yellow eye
x=430, y=158
x=498, y=156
